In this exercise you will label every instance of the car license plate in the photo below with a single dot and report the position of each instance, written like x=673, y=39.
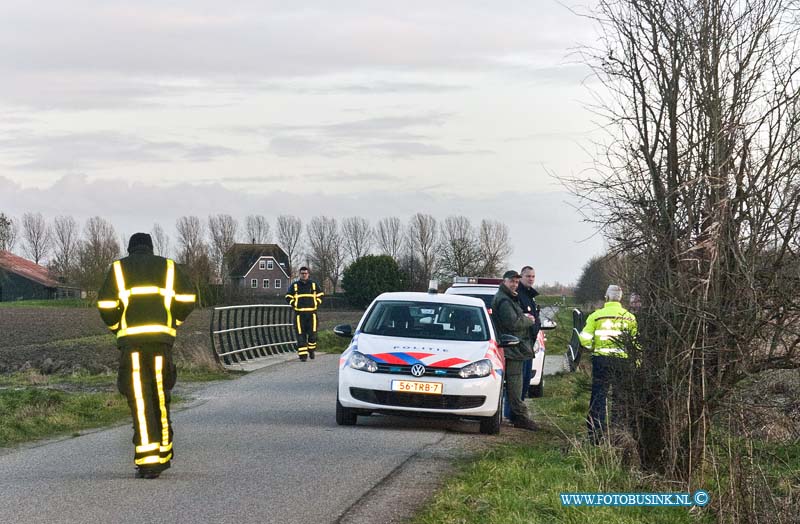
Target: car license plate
x=409, y=386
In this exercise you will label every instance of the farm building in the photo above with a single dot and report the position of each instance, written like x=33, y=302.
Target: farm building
x=22, y=279
x=258, y=269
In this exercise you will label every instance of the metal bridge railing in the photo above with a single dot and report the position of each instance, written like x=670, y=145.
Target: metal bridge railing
x=242, y=333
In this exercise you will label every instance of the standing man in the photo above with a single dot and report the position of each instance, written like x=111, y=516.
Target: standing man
x=527, y=300
x=511, y=320
x=305, y=296
x=143, y=299
x=603, y=334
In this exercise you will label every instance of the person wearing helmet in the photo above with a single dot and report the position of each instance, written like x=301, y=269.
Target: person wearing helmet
x=606, y=334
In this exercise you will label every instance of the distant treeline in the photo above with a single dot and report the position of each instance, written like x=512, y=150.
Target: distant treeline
x=423, y=247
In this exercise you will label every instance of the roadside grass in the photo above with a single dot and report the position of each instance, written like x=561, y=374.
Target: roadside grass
x=32, y=413
x=328, y=342
x=90, y=381
x=62, y=302
x=520, y=479
x=35, y=406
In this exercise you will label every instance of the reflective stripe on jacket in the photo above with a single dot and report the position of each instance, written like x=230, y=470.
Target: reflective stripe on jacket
x=604, y=328
x=304, y=296
x=146, y=297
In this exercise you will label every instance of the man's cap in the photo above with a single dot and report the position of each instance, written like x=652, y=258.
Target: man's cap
x=511, y=274
x=140, y=239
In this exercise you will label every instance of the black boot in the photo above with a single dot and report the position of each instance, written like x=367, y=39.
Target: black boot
x=526, y=423
x=143, y=472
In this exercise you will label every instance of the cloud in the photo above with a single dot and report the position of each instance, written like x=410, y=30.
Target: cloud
x=352, y=177
x=299, y=146
x=397, y=136
x=100, y=54
x=410, y=149
x=82, y=151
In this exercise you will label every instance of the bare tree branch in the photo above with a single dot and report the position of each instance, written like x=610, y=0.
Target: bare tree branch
x=258, y=230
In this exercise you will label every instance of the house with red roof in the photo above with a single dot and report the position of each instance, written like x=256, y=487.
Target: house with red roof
x=23, y=279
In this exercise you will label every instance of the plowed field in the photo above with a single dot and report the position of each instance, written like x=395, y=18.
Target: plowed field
x=65, y=340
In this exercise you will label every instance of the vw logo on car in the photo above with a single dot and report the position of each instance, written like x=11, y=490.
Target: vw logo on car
x=417, y=370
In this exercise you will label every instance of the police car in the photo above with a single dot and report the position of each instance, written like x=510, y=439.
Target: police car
x=485, y=289
x=427, y=353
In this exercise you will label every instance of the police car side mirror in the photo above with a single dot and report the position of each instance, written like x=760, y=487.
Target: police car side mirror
x=508, y=341
x=343, y=330
x=548, y=324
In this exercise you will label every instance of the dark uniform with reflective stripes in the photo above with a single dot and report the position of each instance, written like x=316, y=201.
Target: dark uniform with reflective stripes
x=143, y=299
x=305, y=296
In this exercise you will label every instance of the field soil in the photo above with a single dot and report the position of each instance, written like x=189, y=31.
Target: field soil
x=68, y=340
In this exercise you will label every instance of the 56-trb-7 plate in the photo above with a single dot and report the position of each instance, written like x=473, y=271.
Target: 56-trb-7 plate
x=411, y=386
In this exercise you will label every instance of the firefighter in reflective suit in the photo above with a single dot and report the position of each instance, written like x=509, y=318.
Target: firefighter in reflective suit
x=305, y=296
x=143, y=299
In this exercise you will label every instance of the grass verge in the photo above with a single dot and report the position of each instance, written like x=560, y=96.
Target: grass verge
x=328, y=342
x=519, y=480
x=35, y=406
x=63, y=302
x=32, y=413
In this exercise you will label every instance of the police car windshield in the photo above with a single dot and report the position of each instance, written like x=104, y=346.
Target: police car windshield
x=429, y=320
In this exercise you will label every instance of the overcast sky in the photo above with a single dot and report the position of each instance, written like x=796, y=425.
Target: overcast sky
x=145, y=111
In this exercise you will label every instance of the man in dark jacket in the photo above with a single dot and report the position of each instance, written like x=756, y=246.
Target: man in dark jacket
x=143, y=300
x=527, y=300
x=511, y=320
x=305, y=296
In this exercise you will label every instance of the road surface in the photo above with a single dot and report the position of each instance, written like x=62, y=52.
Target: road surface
x=262, y=448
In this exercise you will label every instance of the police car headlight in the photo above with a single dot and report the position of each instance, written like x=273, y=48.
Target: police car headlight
x=362, y=362
x=481, y=368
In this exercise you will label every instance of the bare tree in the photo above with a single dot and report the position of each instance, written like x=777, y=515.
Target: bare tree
x=460, y=249
x=422, y=244
x=66, y=246
x=290, y=228
x=8, y=232
x=99, y=248
x=357, y=237
x=325, y=248
x=258, y=230
x=390, y=237
x=36, y=235
x=222, y=230
x=495, y=247
x=160, y=240
x=699, y=193
x=193, y=252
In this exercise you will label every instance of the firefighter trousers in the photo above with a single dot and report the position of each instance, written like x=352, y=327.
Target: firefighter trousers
x=146, y=378
x=306, y=325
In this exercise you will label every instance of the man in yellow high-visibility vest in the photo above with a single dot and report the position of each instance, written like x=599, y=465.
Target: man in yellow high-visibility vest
x=143, y=299
x=605, y=335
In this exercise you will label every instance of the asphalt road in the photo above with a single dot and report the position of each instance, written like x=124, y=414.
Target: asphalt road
x=262, y=448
